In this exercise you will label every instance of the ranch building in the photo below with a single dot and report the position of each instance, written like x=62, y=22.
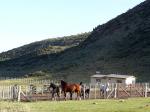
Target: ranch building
x=113, y=78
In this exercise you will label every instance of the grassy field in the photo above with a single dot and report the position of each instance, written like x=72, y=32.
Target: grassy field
x=25, y=81
x=127, y=105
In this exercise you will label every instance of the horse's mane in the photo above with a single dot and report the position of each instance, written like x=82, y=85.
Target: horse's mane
x=63, y=83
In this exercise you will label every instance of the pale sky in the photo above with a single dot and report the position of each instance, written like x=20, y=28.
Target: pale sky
x=26, y=21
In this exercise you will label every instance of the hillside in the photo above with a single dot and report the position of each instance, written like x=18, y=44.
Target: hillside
x=121, y=46
x=47, y=46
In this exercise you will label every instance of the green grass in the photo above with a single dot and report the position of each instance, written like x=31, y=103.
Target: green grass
x=127, y=105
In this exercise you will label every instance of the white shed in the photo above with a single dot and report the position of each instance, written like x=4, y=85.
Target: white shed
x=113, y=78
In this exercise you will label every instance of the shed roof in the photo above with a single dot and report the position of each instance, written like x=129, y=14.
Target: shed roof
x=112, y=76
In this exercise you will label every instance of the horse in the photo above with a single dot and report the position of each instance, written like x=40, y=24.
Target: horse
x=85, y=92
x=71, y=88
x=56, y=90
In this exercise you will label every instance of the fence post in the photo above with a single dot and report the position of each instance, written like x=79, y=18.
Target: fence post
x=10, y=94
x=19, y=94
x=115, y=95
x=42, y=90
x=130, y=90
x=84, y=91
x=3, y=95
x=90, y=92
x=145, y=89
x=95, y=91
x=105, y=93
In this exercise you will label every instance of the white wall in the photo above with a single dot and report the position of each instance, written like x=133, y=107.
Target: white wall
x=113, y=80
x=130, y=80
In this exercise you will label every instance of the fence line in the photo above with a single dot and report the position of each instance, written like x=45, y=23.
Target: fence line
x=119, y=90
x=6, y=92
x=96, y=91
x=24, y=81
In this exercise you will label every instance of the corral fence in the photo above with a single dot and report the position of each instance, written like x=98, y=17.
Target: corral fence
x=24, y=89
x=25, y=81
x=117, y=90
x=40, y=91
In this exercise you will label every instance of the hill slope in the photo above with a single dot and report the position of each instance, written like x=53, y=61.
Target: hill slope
x=120, y=46
x=47, y=46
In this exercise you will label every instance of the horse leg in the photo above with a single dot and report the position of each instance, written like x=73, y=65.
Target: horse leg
x=65, y=96
x=70, y=95
x=53, y=96
x=58, y=95
x=88, y=95
x=79, y=95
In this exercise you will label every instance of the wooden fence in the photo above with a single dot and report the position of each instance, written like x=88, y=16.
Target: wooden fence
x=119, y=90
x=25, y=81
x=6, y=92
x=97, y=91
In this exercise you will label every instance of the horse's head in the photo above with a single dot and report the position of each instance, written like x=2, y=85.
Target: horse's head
x=63, y=83
x=52, y=85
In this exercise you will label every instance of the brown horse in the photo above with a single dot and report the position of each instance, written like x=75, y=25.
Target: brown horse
x=71, y=88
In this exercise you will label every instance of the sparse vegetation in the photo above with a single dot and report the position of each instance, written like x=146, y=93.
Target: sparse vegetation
x=48, y=46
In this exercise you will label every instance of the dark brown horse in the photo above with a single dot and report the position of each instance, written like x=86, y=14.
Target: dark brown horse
x=71, y=88
x=56, y=91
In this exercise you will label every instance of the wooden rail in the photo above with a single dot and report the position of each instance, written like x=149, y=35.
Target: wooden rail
x=97, y=91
